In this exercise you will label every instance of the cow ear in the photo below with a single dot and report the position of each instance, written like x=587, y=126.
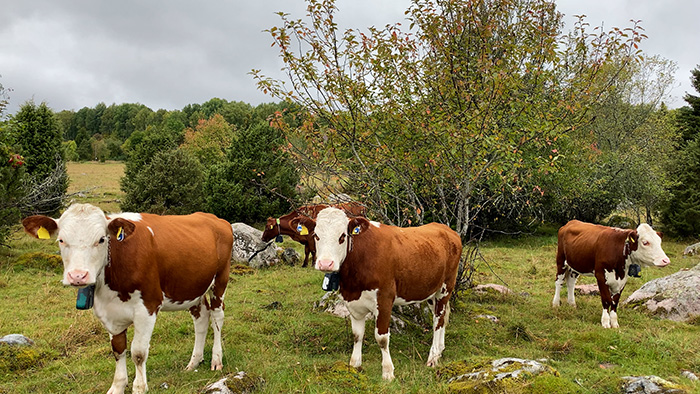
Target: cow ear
x=303, y=225
x=39, y=226
x=633, y=240
x=660, y=234
x=120, y=228
x=357, y=225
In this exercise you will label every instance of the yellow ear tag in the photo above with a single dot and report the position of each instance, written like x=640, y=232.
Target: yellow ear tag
x=356, y=230
x=120, y=234
x=302, y=230
x=43, y=233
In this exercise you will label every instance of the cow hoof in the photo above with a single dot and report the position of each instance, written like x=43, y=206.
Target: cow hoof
x=388, y=376
x=217, y=367
x=432, y=363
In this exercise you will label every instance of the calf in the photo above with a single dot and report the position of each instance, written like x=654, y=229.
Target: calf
x=280, y=226
x=139, y=265
x=380, y=266
x=606, y=253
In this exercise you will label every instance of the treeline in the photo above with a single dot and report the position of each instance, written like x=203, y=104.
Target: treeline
x=103, y=132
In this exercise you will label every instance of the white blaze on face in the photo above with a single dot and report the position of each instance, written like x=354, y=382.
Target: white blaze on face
x=649, y=250
x=331, y=239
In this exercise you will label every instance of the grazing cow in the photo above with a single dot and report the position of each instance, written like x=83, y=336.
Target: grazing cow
x=606, y=253
x=139, y=265
x=380, y=266
x=280, y=226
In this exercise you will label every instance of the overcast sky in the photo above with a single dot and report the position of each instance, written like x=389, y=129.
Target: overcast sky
x=170, y=53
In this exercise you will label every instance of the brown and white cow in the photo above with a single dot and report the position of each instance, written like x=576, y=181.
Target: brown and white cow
x=141, y=264
x=380, y=266
x=606, y=253
x=280, y=226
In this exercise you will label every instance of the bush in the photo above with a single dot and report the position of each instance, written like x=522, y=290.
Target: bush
x=172, y=183
x=257, y=179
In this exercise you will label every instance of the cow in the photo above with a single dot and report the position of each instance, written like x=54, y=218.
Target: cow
x=275, y=227
x=608, y=254
x=381, y=266
x=141, y=264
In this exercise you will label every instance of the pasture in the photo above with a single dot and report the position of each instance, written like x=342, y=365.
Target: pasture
x=272, y=330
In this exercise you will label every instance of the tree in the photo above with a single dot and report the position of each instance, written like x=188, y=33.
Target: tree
x=418, y=124
x=38, y=136
x=682, y=213
x=256, y=180
x=620, y=158
x=209, y=139
x=151, y=142
x=11, y=176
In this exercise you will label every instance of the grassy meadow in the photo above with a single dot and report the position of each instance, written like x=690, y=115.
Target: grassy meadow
x=296, y=349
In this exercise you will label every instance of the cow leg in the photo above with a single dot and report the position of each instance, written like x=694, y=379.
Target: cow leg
x=143, y=329
x=562, y=271
x=357, y=320
x=217, y=321
x=307, y=251
x=613, y=311
x=441, y=312
x=606, y=300
x=120, y=375
x=200, y=317
x=381, y=334
x=571, y=278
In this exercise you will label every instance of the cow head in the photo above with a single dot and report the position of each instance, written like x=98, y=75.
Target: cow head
x=645, y=244
x=271, y=229
x=83, y=238
x=331, y=230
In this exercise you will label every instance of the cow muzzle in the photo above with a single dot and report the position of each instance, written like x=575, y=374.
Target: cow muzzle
x=78, y=277
x=663, y=262
x=325, y=265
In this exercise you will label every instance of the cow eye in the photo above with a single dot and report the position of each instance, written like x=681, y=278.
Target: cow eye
x=60, y=240
x=342, y=239
x=102, y=240
x=645, y=243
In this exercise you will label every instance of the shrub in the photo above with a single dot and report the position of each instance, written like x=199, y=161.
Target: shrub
x=172, y=183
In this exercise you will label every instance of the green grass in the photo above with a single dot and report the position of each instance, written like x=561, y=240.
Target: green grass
x=296, y=349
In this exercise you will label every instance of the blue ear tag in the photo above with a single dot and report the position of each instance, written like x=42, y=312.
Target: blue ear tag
x=120, y=234
x=356, y=230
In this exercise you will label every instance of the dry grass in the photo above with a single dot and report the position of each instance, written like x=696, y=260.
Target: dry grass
x=96, y=183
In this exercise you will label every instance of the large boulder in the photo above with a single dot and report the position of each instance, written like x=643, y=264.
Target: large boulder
x=673, y=297
x=247, y=243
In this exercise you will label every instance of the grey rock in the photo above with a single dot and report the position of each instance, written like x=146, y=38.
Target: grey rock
x=692, y=250
x=247, y=243
x=290, y=257
x=591, y=289
x=649, y=385
x=505, y=368
x=482, y=289
x=674, y=297
x=17, y=340
x=240, y=383
x=689, y=375
x=490, y=318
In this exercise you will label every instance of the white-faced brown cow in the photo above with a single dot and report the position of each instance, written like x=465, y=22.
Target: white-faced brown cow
x=606, y=253
x=141, y=264
x=381, y=265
